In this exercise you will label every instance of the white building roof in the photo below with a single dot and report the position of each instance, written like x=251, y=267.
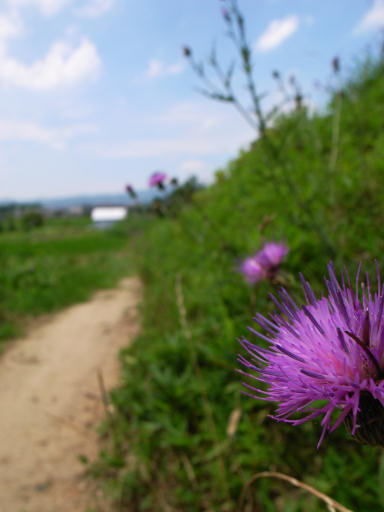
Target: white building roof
x=108, y=213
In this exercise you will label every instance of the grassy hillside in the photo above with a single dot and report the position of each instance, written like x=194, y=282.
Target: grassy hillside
x=318, y=183
x=54, y=266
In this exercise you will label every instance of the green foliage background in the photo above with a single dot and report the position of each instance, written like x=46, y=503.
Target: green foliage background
x=167, y=447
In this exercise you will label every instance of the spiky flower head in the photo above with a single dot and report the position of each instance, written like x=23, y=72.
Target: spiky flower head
x=329, y=349
x=157, y=180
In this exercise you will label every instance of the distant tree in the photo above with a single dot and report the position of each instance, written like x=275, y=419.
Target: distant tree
x=32, y=220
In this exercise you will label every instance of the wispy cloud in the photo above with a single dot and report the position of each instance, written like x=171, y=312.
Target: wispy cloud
x=157, y=68
x=193, y=166
x=26, y=131
x=276, y=33
x=62, y=66
x=189, y=114
x=154, y=69
x=94, y=8
x=46, y=7
x=155, y=147
x=373, y=18
x=10, y=26
x=187, y=130
x=87, y=8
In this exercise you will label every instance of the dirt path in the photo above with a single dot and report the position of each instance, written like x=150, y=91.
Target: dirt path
x=50, y=400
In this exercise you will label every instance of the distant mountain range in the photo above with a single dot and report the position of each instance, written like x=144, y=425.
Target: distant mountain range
x=144, y=196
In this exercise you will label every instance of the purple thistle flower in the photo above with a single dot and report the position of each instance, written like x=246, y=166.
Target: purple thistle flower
x=271, y=256
x=329, y=349
x=265, y=263
x=157, y=180
x=252, y=270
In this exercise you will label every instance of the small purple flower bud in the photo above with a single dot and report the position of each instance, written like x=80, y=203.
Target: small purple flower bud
x=157, y=180
x=131, y=191
x=336, y=64
x=225, y=14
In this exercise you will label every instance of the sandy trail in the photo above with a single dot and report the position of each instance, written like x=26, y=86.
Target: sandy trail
x=50, y=400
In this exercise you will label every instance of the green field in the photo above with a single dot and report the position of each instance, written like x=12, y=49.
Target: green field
x=167, y=447
x=56, y=265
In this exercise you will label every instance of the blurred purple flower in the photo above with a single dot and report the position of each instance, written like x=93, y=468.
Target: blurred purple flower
x=271, y=256
x=330, y=349
x=157, y=180
x=265, y=263
x=252, y=270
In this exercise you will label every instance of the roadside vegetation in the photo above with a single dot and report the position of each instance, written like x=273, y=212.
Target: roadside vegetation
x=53, y=265
x=182, y=436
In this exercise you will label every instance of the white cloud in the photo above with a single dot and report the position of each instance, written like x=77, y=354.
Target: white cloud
x=89, y=8
x=175, y=69
x=156, y=68
x=62, y=66
x=276, y=33
x=189, y=113
x=374, y=18
x=155, y=147
x=47, y=7
x=193, y=166
x=186, y=130
x=95, y=8
x=10, y=26
x=56, y=138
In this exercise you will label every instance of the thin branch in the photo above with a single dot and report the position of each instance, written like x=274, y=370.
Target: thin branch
x=330, y=502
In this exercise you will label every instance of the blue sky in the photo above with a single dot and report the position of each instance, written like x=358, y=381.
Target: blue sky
x=95, y=94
